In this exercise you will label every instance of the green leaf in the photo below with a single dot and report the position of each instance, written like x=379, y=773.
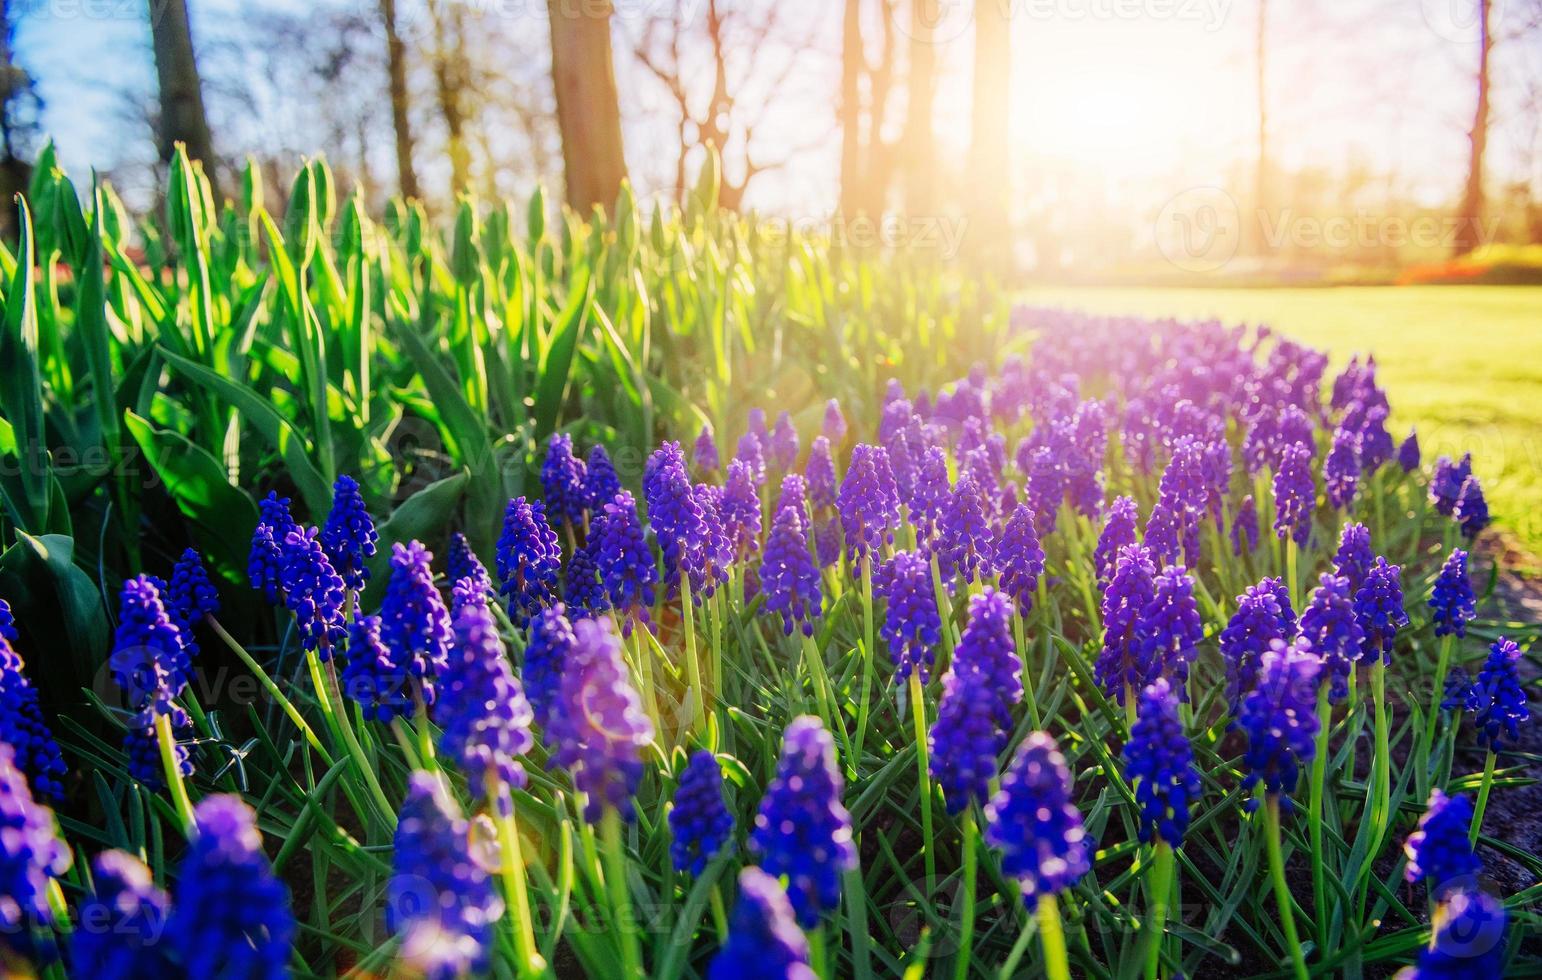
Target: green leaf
x=21, y=385
x=279, y=432
x=421, y=516
x=55, y=599
x=196, y=480
x=556, y=369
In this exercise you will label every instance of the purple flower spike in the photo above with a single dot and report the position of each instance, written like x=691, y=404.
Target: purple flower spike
x=625, y=562
x=563, y=482
x=414, y=623
x=986, y=647
x=740, y=509
x=349, y=535
x=974, y=717
x=582, y=590
x=600, y=730
x=122, y=922
x=1469, y=939
x=1170, y=628
x=1331, y=629
x=1020, y=559
x=232, y=916
x=1446, y=483
x=1497, y=698
x=704, y=453
x=1379, y=608
x=1294, y=494
x=463, y=565
x=868, y=502
x=482, y=708
x=835, y=423
x=1159, y=762
x=1452, y=603
x=783, y=444
x=1438, y=850
x=440, y=899
x=148, y=661
x=1244, y=528
x=190, y=598
x=674, y=510
x=751, y=451
x=929, y=494
x=789, y=579
x=1121, y=664
x=763, y=937
x=601, y=484
x=22, y=725
x=31, y=856
x=700, y=825
x=966, y=544
x=265, y=566
x=1408, y=452
x=1471, y=510
x=802, y=832
x=314, y=592
x=1263, y=615
x=1033, y=823
x=546, y=658
x=1354, y=558
x=1117, y=534
x=1280, y=718
x=529, y=559
x=1341, y=470
x=911, y=627
x=819, y=471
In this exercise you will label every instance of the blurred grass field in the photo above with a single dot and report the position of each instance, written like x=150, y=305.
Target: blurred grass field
x=1462, y=363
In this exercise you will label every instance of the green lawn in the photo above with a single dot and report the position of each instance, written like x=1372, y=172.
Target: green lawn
x=1462, y=363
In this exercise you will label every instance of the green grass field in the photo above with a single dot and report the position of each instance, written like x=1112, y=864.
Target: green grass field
x=1463, y=364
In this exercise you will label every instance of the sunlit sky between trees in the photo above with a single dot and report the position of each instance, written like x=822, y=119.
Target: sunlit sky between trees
x=1120, y=104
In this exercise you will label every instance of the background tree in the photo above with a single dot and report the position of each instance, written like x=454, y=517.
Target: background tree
x=588, y=113
x=182, y=115
x=990, y=173
x=401, y=115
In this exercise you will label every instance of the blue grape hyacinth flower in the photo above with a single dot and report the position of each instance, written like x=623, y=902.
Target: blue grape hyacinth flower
x=1033, y=823
x=802, y=832
x=1279, y=717
x=700, y=825
x=1439, y=851
x=764, y=940
x=1497, y=698
x=1159, y=763
x=122, y=923
x=349, y=535
x=1452, y=603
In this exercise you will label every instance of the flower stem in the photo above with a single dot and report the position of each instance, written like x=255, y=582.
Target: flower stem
x=966, y=920
x=924, y=779
x=1483, y=789
x=1161, y=885
x=1442, y=667
x=620, y=904
x=1319, y=802
x=273, y=690
x=327, y=694
x=867, y=656
x=1029, y=694
x=692, y=663
x=173, y=770
x=1382, y=764
x=512, y=869
x=1057, y=965
x=1281, y=888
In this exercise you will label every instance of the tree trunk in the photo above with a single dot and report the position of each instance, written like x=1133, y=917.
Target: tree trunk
x=990, y=123
x=401, y=122
x=15, y=170
x=850, y=110
x=183, y=119
x=1469, y=219
x=449, y=85
x=920, y=159
x=588, y=110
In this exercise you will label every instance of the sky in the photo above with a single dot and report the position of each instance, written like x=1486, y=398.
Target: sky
x=1130, y=97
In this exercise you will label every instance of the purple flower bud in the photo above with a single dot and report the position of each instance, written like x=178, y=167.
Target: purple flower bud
x=763, y=938
x=1379, y=608
x=31, y=856
x=789, y=579
x=868, y=503
x=1452, y=603
x=1170, y=628
x=1295, y=495
x=1159, y=763
x=1033, y=823
x=783, y=444
x=1354, y=558
x=625, y=562
x=563, y=481
x=1341, y=470
x=546, y=658
x=601, y=484
x=819, y=471
x=482, y=708
x=122, y=922
x=600, y=729
x=1331, y=629
x=1122, y=665
x=1118, y=533
x=1446, y=483
x=1280, y=718
x=314, y=592
x=1469, y=939
x=1244, y=528
x=1263, y=615
x=740, y=509
x=802, y=832
x=1496, y=698
x=1020, y=559
x=1471, y=510
x=528, y=559
x=700, y=825
x=266, y=564
x=22, y=725
x=835, y=423
x=704, y=454
x=349, y=535
x=966, y=543
x=911, y=627
x=1408, y=452
x=1438, y=850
